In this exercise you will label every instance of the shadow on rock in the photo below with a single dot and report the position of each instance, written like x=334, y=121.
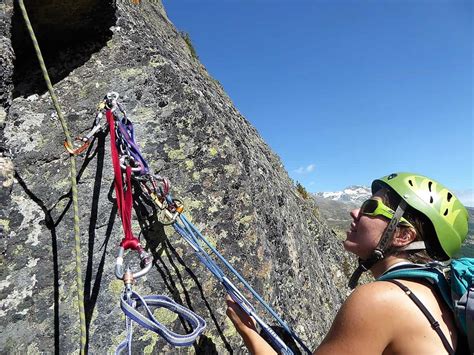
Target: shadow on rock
x=68, y=32
x=167, y=259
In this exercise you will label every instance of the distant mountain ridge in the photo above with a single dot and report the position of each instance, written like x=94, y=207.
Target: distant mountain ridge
x=335, y=206
x=352, y=194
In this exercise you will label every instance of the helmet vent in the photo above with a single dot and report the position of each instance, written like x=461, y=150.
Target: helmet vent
x=450, y=195
x=429, y=185
x=431, y=199
x=410, y=182
x=445, y=212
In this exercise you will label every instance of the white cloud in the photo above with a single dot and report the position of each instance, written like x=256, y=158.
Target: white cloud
x=305, y=169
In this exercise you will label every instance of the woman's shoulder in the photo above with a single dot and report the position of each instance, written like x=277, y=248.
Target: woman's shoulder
x=383, y=293
x=376, y=302
x=382, y=300
x=375, y=293
x=380, y=317
x=385, y=304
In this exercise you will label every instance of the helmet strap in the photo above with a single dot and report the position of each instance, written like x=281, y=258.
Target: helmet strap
x=419, y=245
x=382, y=247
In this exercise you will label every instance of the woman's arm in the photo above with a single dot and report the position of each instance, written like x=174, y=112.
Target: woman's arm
x=363, y=325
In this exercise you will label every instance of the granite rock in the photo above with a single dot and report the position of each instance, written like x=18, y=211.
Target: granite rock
x=235, y=189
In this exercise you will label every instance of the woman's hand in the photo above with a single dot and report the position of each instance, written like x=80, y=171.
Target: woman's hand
x=247, y=329
x=242, y=321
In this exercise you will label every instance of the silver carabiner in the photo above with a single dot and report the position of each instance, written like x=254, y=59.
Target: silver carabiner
x=123, y=164
x=145, y=258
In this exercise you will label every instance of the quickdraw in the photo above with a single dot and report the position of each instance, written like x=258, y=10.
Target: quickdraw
x=80, y=144
x=128, y=164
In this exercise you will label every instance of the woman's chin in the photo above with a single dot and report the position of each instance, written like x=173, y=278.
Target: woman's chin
x=352, y=247
x=349, y=246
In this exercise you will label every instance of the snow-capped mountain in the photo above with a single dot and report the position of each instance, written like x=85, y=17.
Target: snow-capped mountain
x=353, y=194
x=335, y=206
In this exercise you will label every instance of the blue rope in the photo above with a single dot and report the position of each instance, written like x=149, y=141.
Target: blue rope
x=190, y=227
x=192, y=235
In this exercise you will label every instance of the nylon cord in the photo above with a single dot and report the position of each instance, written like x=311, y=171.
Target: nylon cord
x=72, y=160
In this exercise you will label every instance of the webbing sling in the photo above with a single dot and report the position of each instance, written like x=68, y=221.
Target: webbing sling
x=124, y=199
x=130, y=305
x=127, y=134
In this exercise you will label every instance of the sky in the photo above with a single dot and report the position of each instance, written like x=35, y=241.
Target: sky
x=346, y=91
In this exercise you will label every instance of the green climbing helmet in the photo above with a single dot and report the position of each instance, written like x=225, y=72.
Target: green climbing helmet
x=447, y=214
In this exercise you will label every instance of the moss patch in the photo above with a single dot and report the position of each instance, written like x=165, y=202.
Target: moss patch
x=131, y=73
x=189, y=164
x=230, y=169
x=5, y=225
x=212, y=240
x=192, y=205
x=164, y=316
x=213, y=209
x=229, y=330
x=143, y=114
x=246, y=219
x=116, y=287
x=176, y=154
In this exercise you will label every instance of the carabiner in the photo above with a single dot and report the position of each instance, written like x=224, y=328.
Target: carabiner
x=170, y=212
x=146, y=261
x=112, y=98
x=77, y=149
x=124, y=163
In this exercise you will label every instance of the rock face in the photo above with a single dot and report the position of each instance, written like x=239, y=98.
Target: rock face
x=234, y=188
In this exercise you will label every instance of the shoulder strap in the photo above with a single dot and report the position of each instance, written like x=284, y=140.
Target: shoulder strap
x=433, y=275
x=470, y=317
x=433, y=322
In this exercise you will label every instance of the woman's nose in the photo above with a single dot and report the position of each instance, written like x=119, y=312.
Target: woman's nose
x=355, y=214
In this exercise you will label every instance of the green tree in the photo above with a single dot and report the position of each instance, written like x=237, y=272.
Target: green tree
x=187, y=39
x=302, y=191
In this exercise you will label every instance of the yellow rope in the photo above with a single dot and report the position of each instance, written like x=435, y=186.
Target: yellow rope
x=80, y=289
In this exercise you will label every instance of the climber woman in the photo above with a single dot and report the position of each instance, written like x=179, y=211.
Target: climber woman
x=409, y=219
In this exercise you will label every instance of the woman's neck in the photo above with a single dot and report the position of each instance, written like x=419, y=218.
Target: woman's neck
x=386, y=263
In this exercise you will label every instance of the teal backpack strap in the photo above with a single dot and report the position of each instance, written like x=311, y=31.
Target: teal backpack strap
x=462, y=283
x=470, y=317
x=433, y=275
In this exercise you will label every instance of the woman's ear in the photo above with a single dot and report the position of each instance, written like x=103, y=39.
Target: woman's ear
x=403, y=237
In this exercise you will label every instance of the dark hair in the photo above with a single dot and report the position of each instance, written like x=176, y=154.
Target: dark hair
x=423, y=227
